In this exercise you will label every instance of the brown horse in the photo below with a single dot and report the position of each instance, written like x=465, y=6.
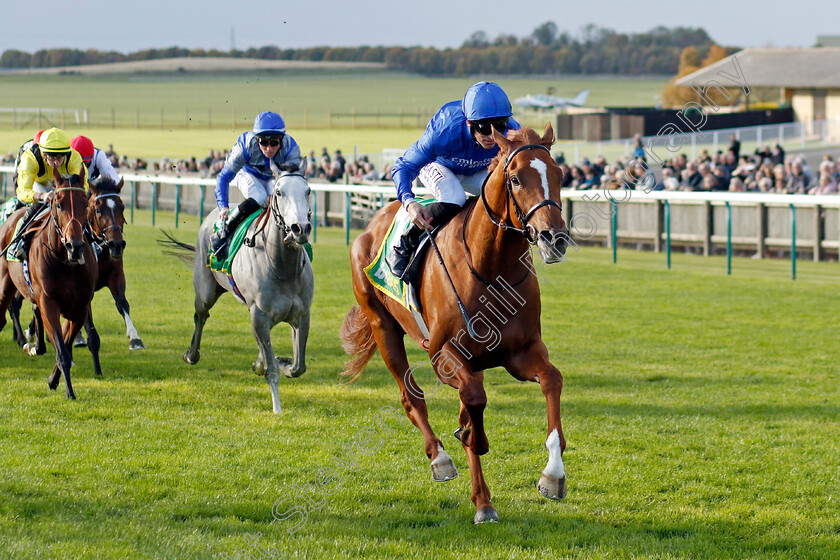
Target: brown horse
x=486, y=254
x=62, y=268
x=106, y=217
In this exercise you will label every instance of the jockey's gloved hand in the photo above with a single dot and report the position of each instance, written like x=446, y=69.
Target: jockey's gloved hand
x=224, y=213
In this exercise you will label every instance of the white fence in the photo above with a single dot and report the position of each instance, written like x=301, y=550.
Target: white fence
x=707, y=221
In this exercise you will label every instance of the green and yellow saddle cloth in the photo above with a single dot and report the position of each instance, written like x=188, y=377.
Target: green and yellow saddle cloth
x=379, y=273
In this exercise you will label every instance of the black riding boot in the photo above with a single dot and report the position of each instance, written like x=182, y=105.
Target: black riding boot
x=441, y=213
x=19, y=248
x=219, y=240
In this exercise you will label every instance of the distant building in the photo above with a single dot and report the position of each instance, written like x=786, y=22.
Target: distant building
x=828, y=41
x=808, y=79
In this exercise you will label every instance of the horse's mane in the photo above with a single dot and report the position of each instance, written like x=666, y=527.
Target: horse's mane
x=105, y=185
x=521, y=137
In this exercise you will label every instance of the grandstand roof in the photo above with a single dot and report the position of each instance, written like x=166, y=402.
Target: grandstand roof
x=789, y=68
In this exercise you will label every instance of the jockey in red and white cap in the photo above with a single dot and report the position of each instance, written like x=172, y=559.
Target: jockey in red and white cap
x=95, y=160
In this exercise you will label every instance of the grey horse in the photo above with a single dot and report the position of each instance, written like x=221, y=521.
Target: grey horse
x=274, y=277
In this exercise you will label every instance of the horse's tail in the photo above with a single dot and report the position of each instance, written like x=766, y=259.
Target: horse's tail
x=358, y=341
x=176, y=248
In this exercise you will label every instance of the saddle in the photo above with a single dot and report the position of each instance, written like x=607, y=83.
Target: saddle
x=403, y=291
x=36, y=224
x=237, y=240
x=234, y=244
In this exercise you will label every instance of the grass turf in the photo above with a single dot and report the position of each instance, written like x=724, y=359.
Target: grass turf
x=701, y=412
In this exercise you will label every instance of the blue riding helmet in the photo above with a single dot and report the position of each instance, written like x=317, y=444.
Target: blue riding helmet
x=269, y=123
x=486, y=100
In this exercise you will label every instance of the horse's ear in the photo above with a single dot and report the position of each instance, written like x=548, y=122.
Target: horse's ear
x=502, y=141
x=82, y=174
x=548, y=136
x=120, y=184
x=274, y=169
x=304, y=161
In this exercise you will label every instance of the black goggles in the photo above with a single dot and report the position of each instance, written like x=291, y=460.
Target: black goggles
x=270, y=140
x=485, y=127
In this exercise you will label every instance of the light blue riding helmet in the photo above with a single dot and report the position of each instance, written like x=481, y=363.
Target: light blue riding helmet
x=269, y=123
x=486, y=100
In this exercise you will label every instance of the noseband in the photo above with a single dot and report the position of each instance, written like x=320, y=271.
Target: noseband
x=523, y=217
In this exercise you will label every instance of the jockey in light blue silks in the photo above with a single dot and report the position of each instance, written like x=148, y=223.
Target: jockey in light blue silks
x=248, y=166
x=451, y=159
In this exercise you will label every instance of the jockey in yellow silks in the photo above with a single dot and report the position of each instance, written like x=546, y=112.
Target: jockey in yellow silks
x=34, y=173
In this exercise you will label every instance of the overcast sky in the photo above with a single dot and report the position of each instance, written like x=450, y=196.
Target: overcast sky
x=128, y=25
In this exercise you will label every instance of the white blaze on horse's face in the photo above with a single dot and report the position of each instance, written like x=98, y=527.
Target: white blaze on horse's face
x=292, y=194
x=542, y=169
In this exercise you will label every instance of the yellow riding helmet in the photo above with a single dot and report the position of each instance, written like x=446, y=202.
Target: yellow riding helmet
x=54, y=141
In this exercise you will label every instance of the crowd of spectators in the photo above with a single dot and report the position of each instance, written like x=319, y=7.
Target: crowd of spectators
x=767, y=170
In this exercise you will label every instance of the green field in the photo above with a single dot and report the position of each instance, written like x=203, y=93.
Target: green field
x=701, y=412
x=186, y=115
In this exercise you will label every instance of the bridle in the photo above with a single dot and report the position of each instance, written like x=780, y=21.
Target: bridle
x=54, y=214
x=99, y=235
x=523, y=217
x=274, y=210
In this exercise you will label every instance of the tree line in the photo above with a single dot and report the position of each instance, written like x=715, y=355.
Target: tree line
x=546, y=50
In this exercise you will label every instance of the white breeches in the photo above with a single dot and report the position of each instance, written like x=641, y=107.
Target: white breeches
x=253, y=187
x=449, y=187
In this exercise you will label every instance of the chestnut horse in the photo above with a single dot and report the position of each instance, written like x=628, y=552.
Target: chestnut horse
x=62, y=268
x=487, y=256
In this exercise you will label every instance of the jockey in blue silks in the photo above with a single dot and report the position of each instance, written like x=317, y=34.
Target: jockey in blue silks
x=451, y=159
x=248, y=166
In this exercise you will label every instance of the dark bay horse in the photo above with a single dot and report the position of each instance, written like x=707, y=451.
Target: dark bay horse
x=483, y=249
x=63, y=271
x=106, y=216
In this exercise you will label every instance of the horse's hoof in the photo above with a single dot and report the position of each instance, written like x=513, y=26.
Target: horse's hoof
x=285, y=365
x=189, y=359
x=552, y=488
x=30, y=349
x=486, y=515
x=258, y=367
x=137, y=344
x=80, y=342
x=71, y=397
x=443, y=468
x=461, y=434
